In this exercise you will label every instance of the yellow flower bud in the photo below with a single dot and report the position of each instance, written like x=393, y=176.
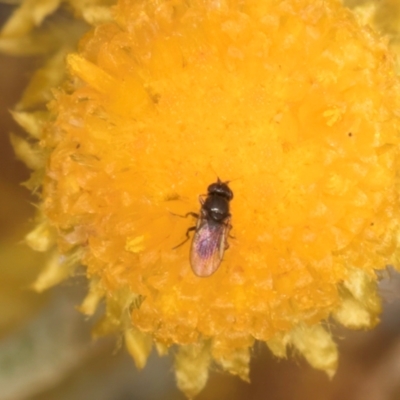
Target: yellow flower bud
x=296, y=105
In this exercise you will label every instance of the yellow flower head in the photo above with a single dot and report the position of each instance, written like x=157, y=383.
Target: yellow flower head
x=292, y=102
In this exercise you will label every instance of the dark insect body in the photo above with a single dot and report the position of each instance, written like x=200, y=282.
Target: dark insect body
x=212, y=229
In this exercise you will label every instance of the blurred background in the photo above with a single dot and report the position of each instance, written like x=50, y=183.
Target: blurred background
x=46, y=349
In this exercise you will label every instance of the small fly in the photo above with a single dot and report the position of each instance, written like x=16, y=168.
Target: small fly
x=212, y=229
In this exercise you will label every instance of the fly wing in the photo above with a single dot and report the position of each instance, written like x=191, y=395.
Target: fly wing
x=208, y=247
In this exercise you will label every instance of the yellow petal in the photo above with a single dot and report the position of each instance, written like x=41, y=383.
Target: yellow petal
x=139, y=346
x=27, y=152
x=317, y=347
x=191, y=368
x=32, y=122
x=57, y=269
x=29, y=15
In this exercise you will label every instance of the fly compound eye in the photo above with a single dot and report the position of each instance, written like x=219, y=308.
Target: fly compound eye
x=229, y=193
x=213, y=188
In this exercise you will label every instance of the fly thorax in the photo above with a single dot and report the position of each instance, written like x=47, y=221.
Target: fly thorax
x=217, y=207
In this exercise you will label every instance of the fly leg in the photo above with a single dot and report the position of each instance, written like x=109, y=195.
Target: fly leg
x=228, y=229
x=192, y=214
x=192, y=228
